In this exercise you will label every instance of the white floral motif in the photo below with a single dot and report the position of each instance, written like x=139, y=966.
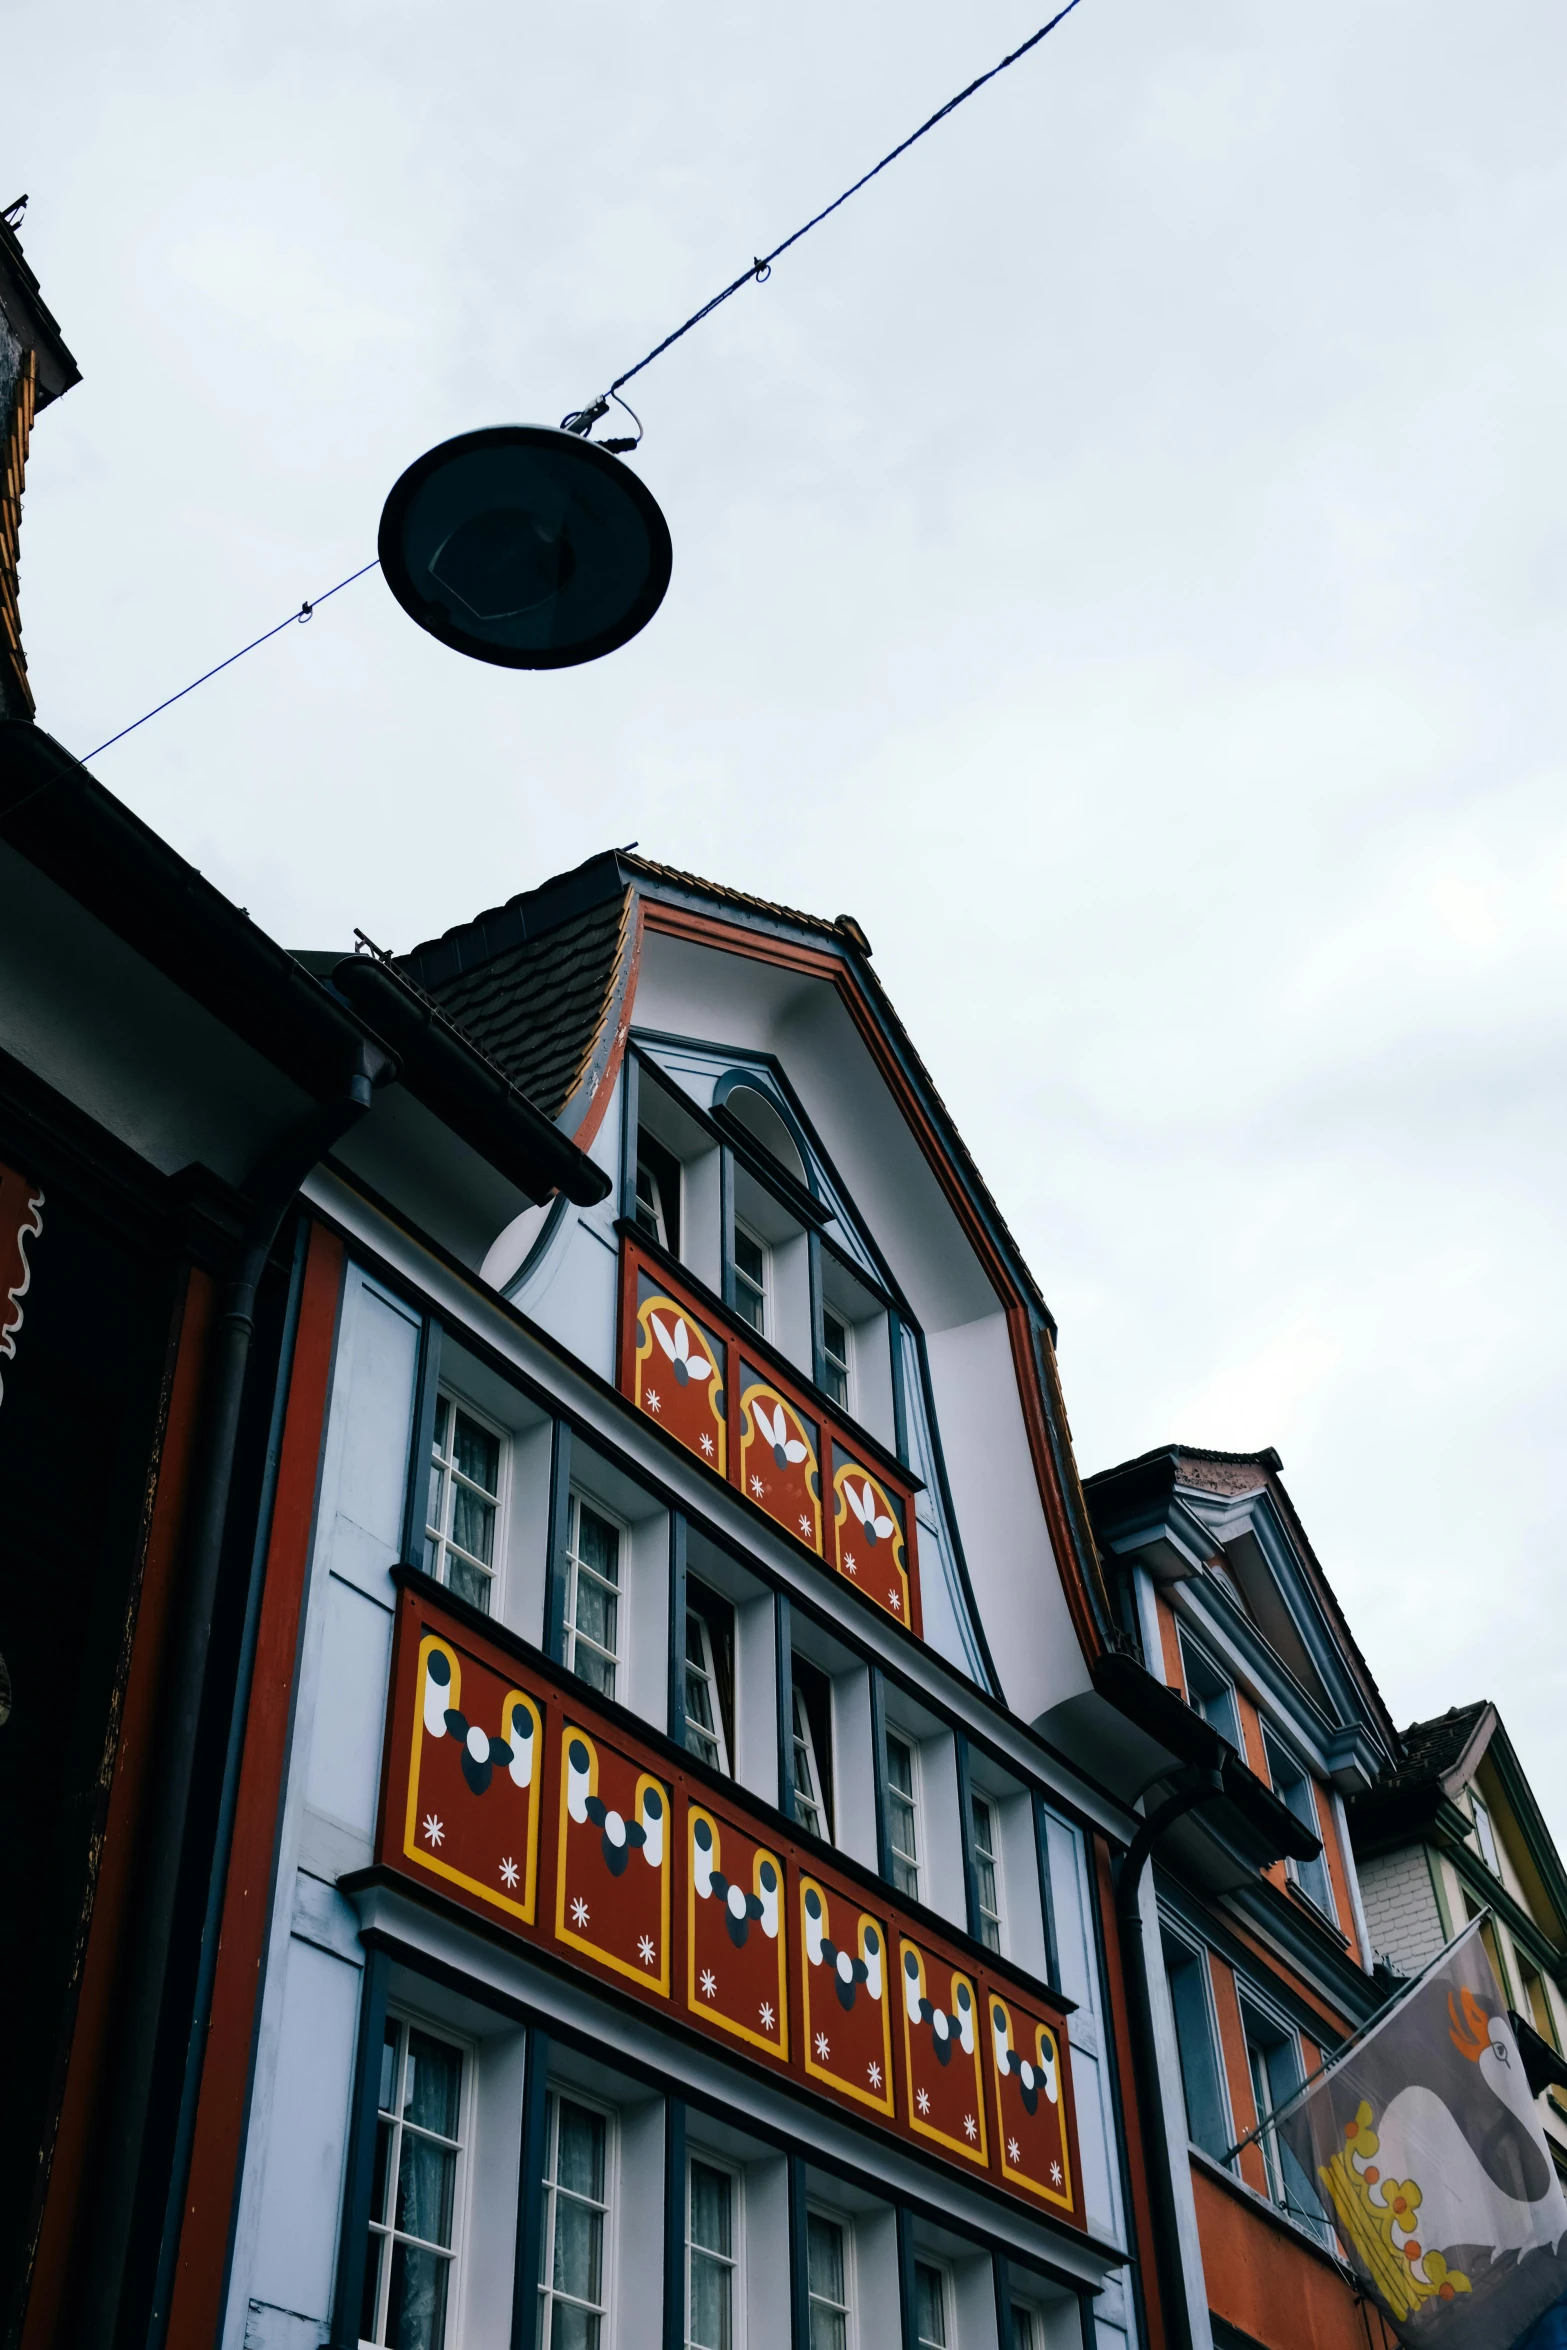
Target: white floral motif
x=873, y=2073
x=707, y=1444
x=848, y=1560
x=775, y=1432
x=687, y=1365
x=508, y=1872
x=823, y=2051
x=923, y=2101
x=805, y=1525
x=1014, y=2151
x=864, y=1505
x=757, y=1487
x=650, y=1398
x=969, y=2128
x=895, y=1599
x=433, y=1828
x=579, y=1912
x=767, y=2016
x=646, y=1950
x=1055, y=2174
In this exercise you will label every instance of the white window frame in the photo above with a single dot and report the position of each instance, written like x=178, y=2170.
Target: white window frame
x=547, y=2295
x=910, y=1805
x=737, y=2289
x=943, y=2275
x=452, y=1476
x=387, y=2231
x=707, y=1671
x=1193, y=1649
x=1278, y=1754
x=1485, y=1833
x=991, y=1855
x=1033, y=2319
x=800, y=1712
x=845, y=1363
x=763, y=1328
x=655, y=1206
x=849, y=2305
x=575, y=1569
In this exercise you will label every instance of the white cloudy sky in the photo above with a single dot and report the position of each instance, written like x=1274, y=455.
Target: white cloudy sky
x=1122, y=559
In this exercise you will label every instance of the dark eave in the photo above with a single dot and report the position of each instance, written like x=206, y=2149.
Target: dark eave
x=32, y=321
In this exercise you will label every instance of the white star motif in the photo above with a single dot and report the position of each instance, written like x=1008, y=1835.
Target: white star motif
x=579, y=1912
x=822, y=2049
x=923, y=2101
x=1014, y=2151
x=707, y=1444
x=709, y=1982
x=757, y=1487
x=895, y=1601
x=433, y=1828
x=1055, y=2174
x=645, y=1950
x=767, y=2017
x=650, y=1396
x=508, y=1872
x=848, y=1560
x=969, y=2128
x=873, y=2073
x=805, y=1524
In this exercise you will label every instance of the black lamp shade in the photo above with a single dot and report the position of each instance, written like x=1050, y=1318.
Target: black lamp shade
x=526, y=547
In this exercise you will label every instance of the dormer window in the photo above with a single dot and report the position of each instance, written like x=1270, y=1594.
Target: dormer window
x=1210, y=1694
x=1293, y=1787
x=751, y=1282
x=658, y=1192
x=1485, y=1834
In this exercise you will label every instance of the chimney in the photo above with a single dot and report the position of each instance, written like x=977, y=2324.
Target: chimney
x=35, y=368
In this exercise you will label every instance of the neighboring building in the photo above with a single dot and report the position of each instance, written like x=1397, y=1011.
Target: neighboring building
x=1450, y=1832
x=35, y=368
x=1264, y=1969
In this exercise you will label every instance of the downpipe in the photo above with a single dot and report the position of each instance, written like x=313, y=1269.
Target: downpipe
x=1191, y=1788
x=160, y=1844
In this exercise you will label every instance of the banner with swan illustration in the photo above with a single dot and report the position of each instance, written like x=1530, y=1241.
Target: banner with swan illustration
x=1425, y=2148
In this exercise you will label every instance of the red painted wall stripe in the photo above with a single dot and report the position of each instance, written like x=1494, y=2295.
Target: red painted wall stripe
x=214, y=2172
x=1141, y=2230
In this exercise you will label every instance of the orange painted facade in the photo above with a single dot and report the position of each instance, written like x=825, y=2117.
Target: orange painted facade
x=1267, y=2280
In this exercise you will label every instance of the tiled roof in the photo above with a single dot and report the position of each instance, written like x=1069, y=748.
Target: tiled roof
x=538, y=1007
x=1432, y=1749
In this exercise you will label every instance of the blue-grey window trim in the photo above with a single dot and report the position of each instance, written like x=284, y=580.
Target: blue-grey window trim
x=416, y=1498
x=359, y=2162
x=630, y=1126
x=677, y=1626
x=676, y=2190
x=783, y=1660
x=1047, y=1899
x=556, y=1573
x=950, y=1515
x=908, y=2312
x=799, y=2258
x=960, y=1749
x=878, y=1690
x=529, y=2258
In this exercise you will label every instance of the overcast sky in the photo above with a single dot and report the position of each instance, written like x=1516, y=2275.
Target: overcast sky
x=1122, y=559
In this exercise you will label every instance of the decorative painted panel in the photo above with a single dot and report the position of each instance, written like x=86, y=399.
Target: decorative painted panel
x=760, y=1431
x=21, y=1221
x=673, y=1887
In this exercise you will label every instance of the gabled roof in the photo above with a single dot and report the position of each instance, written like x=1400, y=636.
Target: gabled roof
x=543, y=982
x=1446, y=1749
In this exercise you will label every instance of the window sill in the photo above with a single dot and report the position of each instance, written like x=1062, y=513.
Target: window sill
x=1262, y=2205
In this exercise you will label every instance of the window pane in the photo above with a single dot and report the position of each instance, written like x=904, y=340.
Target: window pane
x=597, y=1614
x=431, y=2085
x=443, y=1413
x=416, y=2307
x=473, y=1523
x=1022, y=2328
x=478, y=1454
x=426, y=2184
x=900, y=1767
x=749, y=1258
x=835, y=1338
x=437, y=1502
x=572, y=2328
x=929, y=2313
x=579, y=2248
x=711, y=2294
x=370, y=2293
x=468, y=1581
x=382, y=2169
x=388, y=2089
x=710, y=2194
x=824, y=2253
x=579, y=2156
x=598, y=1544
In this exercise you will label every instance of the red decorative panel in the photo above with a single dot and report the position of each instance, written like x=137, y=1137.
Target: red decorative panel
x=737, y=1932
x=1033, y=2143
x=21, y=1220
x=502, y=1776
x=780, y=1458
x=474, y=1768
x=941, y=2042
x=612, y=1877
x=678, y=1373
x=758, y=1430
x=867, y=1535
x=845, y=2018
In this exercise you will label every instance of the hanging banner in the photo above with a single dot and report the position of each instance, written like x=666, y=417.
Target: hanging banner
x=1425, y=2148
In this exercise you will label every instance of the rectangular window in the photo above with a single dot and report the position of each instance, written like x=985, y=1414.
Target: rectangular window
x=987, y=1870
x=709, y=1677
x=573, y=2292
x=1262, y=2096
x=827, y=2271
x=1485, y=1834
x=592, y=1595
x=903, y=1816
x=808, y=1699
x=1273, y=2062
x=414, y=2191
x=658, y=1192
x=1293, y=1787
x=930, y=2306
x=1211, y=1694
x=1206, y=2120
x=465, y=1485
x=751, y=1279
x=837, y=1359
x=710, y=2258
x=1026, y=2329
x=1539, y=2003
